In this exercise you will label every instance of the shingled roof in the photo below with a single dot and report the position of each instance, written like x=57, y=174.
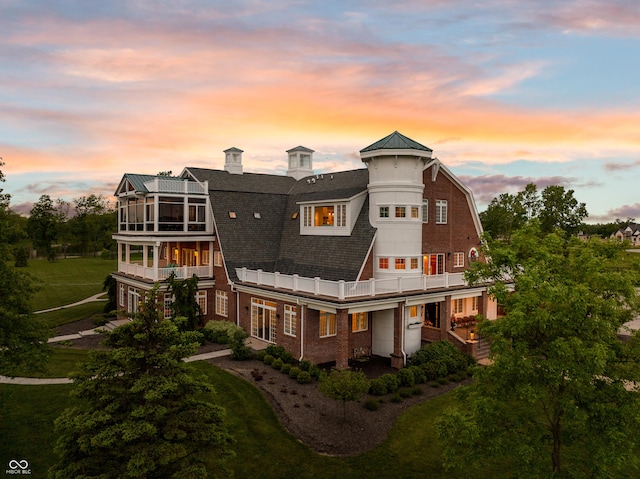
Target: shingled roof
x=395, y=141
x=273, y=242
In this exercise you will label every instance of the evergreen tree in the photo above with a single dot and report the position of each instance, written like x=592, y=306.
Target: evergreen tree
x=142, y=413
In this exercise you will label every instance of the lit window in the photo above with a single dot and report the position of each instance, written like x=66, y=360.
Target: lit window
x=425, y=211
x=294, y=216
x=327, y=324
x=359, y=322
x=401, y=263
x=401, y=212
x=257, y=215
x=441, y=212
x=458, y=260
x=415, y=212
x=383, y=263
x=414, y=263
x=205, y=256
x=413, y=311
x=433, y=264
x=324, y=216
x=263, y=320
x=201, y=299
x=457, y=306
x=217, y=258
x=289, y=320
x=474, y=303
x=384, y=212
x=222, y=303
x=232, y=215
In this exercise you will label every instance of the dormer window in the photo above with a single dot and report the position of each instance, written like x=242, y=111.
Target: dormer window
x=324, y=219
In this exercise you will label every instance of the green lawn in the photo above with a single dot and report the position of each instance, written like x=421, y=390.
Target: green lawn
x=66, y=281
x=263, y=449
x=63, y=360
x=69, y=315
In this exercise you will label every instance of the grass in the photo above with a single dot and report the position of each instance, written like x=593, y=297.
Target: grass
x=67, y=281
x=263, y=448
x=69, y=315
x=61, y=363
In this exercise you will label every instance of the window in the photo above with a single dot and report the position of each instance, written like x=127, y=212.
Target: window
x=474, y=303
x=217, y=258
x=473, y=255
x=257, y=215
x=441, y=212
x=205, y=256
x=122, y=295
x=201, y=299
x=327, y=324
x=289, y=320
x=383, y=263
x=222, y=303
x=458, y=260
x=232, y=215
x=457, y=306
x=263, y=320
x=308, y=213
x=324, y=216
x=167, y=309
x=197, y=214
x=415, y=212
x=434, y=264
x=134, y=300
x=401, y=263
x=170, y=213
x=413, y=311
x=401, y=212
x=425, y=211
x=414, y=263
x=359, y=322
x=384, y=212
x=341, y=215
x=294, y=216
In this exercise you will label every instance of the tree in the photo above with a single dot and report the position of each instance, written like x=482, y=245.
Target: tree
x=185, y=304
x=89, y=224
x=554, y=208
x=344, y=385
x=23, y=339
x=556, y=398
x=110, y=286
x=42, y=225
x=142, y=412
x=560, y=210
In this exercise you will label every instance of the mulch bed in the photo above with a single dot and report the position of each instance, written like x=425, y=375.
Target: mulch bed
x=312, y=418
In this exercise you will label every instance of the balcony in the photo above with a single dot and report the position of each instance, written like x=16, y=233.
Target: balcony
x=161, y=274
x=350, y=289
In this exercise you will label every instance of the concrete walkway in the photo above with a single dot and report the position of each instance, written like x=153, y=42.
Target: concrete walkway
x=110, y=326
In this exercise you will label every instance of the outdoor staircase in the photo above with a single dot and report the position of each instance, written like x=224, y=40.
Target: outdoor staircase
x=482, y=349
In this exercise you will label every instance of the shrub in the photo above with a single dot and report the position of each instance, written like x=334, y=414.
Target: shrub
x=285, y=368
x=281, y=353
x=405, y=393
x=406, y=377
x=396, y=398
x=372, y=405
x=343, y=385
x=277, y=364
x=294, y=372
x=430, y=371
x=239, y=350
x=260, y=355
x=418, y=374
x=303, y=377
x=417, y=391
x=391, y=381
x=378, y=387
x=219, y=331
x=445, y=354
x=305, y=365
x=268, y=359
x=314, y=371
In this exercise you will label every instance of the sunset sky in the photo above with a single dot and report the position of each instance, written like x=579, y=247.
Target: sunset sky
x=505, y=92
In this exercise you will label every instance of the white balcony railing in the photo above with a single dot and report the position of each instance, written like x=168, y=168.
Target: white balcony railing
x=350, y=289
x=160, y=274
x=176, y=185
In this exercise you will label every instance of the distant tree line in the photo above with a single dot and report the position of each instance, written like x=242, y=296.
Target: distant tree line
x=83, y=226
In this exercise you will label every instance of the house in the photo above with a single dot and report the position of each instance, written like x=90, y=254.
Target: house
x=631, y=233
x=330, y=266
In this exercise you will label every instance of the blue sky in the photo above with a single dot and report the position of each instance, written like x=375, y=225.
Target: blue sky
x=504, y=92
